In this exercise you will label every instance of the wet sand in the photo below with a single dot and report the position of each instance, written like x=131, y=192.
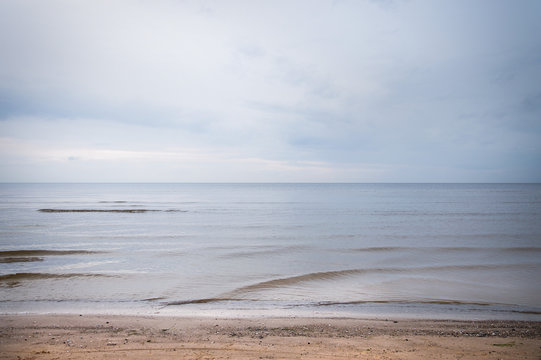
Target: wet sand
x=140, y=337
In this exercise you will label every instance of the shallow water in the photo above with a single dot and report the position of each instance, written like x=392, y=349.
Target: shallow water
x=457, y=250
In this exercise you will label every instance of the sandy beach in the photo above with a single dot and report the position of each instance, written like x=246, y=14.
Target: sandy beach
x=138, y=337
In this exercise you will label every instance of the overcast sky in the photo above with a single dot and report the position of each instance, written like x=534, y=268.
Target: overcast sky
x=270, y=91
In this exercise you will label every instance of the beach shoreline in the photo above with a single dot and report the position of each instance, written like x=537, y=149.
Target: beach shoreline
x=83, y=336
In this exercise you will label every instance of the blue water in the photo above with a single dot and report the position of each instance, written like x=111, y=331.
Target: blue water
x=425, y=250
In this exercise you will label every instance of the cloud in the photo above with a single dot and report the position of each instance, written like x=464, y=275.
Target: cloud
x=306, y=91
x=190, y=164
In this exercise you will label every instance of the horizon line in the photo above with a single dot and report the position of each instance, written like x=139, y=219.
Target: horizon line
x=253, y=182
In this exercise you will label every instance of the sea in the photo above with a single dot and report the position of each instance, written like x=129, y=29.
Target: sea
x=438, y=251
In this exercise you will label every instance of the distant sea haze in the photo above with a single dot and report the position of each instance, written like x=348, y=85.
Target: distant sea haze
x=430, y=250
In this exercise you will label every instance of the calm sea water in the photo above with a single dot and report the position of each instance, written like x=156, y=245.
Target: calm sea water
x=428, y=250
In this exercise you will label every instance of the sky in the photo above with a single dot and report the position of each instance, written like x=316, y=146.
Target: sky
x=270, y=91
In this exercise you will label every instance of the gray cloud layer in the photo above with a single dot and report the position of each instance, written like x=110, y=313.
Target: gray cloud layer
x=270, y=91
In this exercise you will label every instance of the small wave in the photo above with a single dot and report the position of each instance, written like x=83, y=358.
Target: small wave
x=444, y=249
x=331, y=275
x=201, y=301
x=29, y=253
x=14, y=280
x=114, y=202
x=502, y=249
x=84, y=265
x=154, y=299
x=381, y=248
x=27, y=226
x=262, y=252
x=434, y=302
x=293, y=280
x=437, y=302
x=128, y=211
x=529, y=312
x=520, y=249
x=96, y=210
x=119, y=272
x=7, y=260
x=501, y=307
